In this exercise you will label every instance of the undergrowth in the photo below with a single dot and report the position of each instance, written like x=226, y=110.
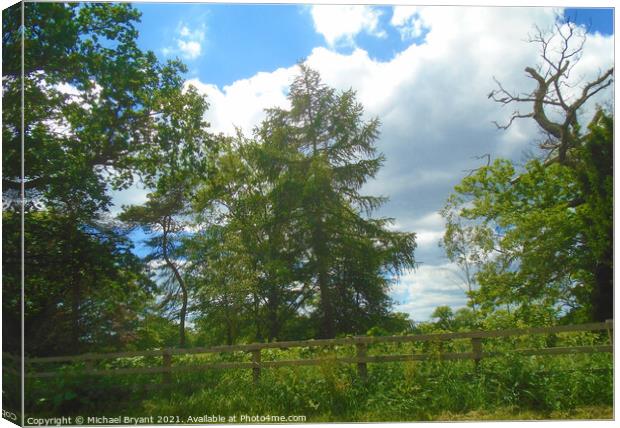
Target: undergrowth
x=506, y=387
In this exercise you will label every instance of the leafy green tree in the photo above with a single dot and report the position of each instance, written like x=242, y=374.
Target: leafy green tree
x=217, y=269
x=289, y=218
x=326, y=154
x=546, y=230
x=217, y=252
x=91, y=97
x=94, y=105
x=247, y=234
x=468, y=245
x=541, y=235
x=159, y=215
x=180, y=156
x=106, y=301
x=595, y=177
x=466, y=319
x=444, y=317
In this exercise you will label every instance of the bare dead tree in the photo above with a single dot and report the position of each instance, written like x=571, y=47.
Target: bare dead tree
x=560, y=50
x=554, y=104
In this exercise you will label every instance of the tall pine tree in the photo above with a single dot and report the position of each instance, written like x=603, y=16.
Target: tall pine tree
x=326, y=152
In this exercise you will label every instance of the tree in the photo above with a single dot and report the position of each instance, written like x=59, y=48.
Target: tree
x=556, y=102
x=217, y=270
x=248, y=211
x=181, y=156
x=444, y=317
x=467, y=244
x=91, y=97
x=327, y=154
x=284, y=213
x=461, y=319
x=93, y=100
x=158, y=215
x=595, y=178
x=540, y=247
x=105, y=302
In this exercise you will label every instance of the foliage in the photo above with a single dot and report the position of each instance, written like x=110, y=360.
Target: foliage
x=556, y=104
x=109, y=293
x=90, y=95
x=413, y=391
x=98, y=111
x=532, y=232
x=182, y=158
x=284, y=209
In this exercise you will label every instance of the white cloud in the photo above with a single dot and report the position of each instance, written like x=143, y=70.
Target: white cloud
x=419, y=292
x=408, y=22
x=184, y=31
x=341, y=23
x=402, y=14
x=242, y=103
x=187, y=42
x=136, y=194
x=428, y=237
x=189, y=49
x=431, y=221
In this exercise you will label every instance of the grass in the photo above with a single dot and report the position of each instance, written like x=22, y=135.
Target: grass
x=515, y=414
x=510, y=387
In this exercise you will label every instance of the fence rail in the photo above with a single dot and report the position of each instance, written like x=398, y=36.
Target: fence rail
x=361, y=358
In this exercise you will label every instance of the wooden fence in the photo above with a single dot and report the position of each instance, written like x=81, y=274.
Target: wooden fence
x=360, y=343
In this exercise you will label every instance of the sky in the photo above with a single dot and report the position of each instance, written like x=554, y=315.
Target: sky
x=425, y=72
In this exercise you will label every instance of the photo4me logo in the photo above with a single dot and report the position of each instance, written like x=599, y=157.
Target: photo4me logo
x=271, y=418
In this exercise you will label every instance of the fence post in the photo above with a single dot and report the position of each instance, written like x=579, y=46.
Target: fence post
x=610, y=326
x=362, y=369
x=256, y=363
x=167, y=363
x=476, y=344
x=90, y=366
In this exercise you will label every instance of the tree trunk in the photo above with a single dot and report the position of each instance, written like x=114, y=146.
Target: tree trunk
x=76, y=297
x=272, y=313
x=257, y=319
x=228, y=317
x=183, y=313
x=603, y=301
x=182, y=316
x=328, y=328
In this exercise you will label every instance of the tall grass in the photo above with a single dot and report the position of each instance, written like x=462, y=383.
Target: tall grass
x=510, y=384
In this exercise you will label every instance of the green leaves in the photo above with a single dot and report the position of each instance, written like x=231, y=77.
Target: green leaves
x=287, y=243
x=324, y=152
x=99, y=113
x=527, y=237
x=97, y=107
x=84, y=289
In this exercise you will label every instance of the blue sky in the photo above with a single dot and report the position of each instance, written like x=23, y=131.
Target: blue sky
x=425, y=72
x=599, y=19
x=240, y=40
